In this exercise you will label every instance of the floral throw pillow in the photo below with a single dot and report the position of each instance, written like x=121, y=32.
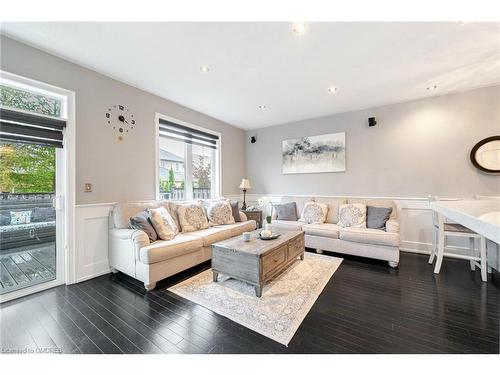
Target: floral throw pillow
x=163, y=223
x=220, y=213
x=20, y=217
x=192, y=217
x=352, y=215
x=314, y=213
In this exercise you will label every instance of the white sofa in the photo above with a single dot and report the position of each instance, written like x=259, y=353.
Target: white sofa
x=365, y=242
x=131, y=252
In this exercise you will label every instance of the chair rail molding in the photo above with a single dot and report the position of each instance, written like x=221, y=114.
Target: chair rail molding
x=415, y=219
x=91, y=232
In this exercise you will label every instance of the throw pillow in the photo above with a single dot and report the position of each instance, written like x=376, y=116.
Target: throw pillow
x=20, y=217
x=4, y=219
x=42, y=214
x=314, y=213
x=192, y=217
x=163, y=223
x=286, y=211
x=352, y=215
x=142, y=222
x=376, y=217
x=220, y=213
x=235, y=207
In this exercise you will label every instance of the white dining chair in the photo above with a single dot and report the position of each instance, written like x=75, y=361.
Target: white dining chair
x=442, y=230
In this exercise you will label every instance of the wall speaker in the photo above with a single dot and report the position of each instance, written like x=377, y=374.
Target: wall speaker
x=253, y=139
x=372, y=121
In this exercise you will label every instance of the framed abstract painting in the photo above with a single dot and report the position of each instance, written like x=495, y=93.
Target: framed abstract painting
x=316, y=154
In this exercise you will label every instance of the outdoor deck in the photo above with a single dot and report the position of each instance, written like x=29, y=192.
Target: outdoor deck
x=27, y=266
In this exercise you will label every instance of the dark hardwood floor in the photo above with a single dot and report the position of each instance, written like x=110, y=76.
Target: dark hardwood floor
x=366, y=307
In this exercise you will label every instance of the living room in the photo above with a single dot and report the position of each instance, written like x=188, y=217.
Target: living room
x=257, y=187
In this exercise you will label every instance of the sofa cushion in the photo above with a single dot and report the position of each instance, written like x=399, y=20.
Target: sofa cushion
x=238, y=228
x=162, y=250
x=286, y=211
x=299, y=201
x=213, y=234
x=20, y=217
x=142, y=221
x=333, y=207
x=42, y=214
x=192, y=217
x=376, y=217
x=220, y=213
x=314, y=213
x=322, y=230
x=352, y=215
x=123, y=211
x=377, y=203
x=369, y=236
x=286, y=225
x=163, y=223
x=236, y=211
x=172, y=210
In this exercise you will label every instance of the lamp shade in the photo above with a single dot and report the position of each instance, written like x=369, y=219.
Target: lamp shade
x=245, y=184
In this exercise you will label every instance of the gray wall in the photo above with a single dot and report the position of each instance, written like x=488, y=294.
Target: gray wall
x=118, y=170
x=417, y=148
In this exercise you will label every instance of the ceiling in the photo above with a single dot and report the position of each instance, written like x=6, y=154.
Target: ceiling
x=253, y=64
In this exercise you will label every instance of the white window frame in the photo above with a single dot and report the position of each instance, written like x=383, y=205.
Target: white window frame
x=188, y=187
x=65, y=184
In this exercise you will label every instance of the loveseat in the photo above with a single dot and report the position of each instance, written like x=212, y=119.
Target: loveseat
x=365, y=242
x=131, y=252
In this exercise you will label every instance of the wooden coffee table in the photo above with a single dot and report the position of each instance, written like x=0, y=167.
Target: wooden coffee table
x=256, y=261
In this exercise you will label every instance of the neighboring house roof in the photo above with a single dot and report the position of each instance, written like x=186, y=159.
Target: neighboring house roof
x=165, y=155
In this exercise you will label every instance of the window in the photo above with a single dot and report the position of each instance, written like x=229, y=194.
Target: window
x=17, y=96
x=188, y=161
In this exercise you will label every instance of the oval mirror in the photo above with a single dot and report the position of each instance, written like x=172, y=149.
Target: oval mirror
x=485, y=155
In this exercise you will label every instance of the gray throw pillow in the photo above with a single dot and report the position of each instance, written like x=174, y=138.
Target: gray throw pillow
x=41, y=214
x=286, y=211
x=142, y=222
x=4, y=219
x=236, y=211
x=376, y=217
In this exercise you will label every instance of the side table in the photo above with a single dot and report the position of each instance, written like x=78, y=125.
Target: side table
x=254, y=215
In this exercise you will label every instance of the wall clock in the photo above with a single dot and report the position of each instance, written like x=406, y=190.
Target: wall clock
x=120, y=119
x=485, y=155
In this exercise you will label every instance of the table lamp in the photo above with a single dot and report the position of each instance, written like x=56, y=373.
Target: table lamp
x=245, y=185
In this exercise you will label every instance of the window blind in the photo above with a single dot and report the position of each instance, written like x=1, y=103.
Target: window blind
x=24, y=127
x=186, y=134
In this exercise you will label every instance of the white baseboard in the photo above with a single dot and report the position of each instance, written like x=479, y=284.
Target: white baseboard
x=91, y=276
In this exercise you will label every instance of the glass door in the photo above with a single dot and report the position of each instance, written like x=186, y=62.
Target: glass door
x=32, y=158
x=28, y=215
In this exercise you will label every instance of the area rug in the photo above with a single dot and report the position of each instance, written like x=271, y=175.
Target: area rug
x=285, y=300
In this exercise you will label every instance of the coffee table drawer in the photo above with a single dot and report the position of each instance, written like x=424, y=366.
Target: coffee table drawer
x=295, y=248
x=272, y=261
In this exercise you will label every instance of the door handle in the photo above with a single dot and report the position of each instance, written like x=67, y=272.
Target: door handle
x=58, y=202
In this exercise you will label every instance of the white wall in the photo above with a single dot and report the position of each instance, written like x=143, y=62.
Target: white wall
x=118, y=170
x=417, y=149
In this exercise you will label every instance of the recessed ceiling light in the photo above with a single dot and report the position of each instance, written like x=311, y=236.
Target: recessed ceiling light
x=299, y=28
x=204, y=68
x=262, y=106
x=431, y=88
x=332, y=89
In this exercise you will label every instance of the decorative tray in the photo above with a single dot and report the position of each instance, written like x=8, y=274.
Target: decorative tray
x=273, y=237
